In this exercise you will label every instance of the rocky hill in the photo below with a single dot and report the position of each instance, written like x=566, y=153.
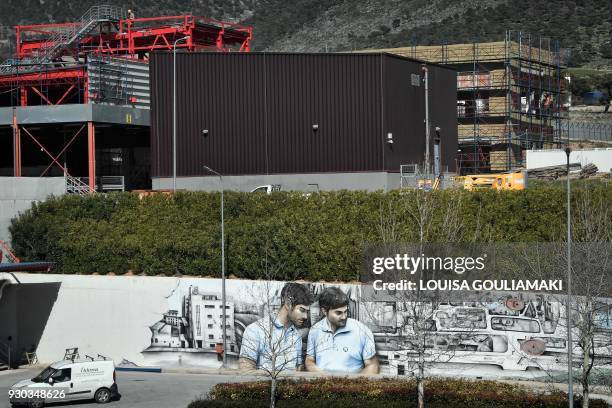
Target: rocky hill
x=584, y=27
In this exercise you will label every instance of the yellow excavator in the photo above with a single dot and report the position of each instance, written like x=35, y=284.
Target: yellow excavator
x=511, y=180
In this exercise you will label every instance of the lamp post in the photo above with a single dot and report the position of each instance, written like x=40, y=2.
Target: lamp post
x=174, y=113
x=223, y=299
x=427, y=158
x=570, y=345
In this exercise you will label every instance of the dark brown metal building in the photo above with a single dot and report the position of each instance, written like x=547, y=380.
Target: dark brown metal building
x=269, y=114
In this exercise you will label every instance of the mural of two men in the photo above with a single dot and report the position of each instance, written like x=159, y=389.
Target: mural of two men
x=336, y=343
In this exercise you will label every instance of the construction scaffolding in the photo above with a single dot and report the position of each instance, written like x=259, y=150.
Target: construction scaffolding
x=510, y=97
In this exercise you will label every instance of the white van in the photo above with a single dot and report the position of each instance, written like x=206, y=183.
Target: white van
x=78, y=379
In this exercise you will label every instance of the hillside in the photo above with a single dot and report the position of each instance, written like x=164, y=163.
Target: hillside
x=584, y=27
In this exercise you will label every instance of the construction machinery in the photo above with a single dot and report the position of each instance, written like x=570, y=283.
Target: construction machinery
x=510, y=180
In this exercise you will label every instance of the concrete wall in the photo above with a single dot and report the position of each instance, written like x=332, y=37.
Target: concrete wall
x=130, y=317
x=25, y=309
x=602, y=158
x=18, y=193
x=370, y=181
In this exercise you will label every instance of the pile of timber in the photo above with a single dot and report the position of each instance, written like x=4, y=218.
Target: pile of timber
x=588, y=171
x=554, y=172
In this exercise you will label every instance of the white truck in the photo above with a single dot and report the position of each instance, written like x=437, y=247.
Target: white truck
x=68, y=380
x=268, y=188
x=272, y=188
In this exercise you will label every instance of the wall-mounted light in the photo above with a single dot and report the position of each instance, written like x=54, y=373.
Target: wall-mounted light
x=390, y=138
x=437, y=138
x=204, y=132
x=315, y=127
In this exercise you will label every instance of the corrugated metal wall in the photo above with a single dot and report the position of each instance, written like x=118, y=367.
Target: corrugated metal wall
x=259, y=110
x=443, y=100
x=118, y=81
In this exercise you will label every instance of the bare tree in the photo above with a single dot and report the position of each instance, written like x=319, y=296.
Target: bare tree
x=592, y=283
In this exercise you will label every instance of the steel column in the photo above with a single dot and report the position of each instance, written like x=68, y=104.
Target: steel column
x=91, y=153
x=16, y=146
x=23, y=96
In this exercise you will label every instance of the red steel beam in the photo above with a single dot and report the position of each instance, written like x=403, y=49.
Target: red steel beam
x=38, y=77
x=43, y=97
x=60, y=100
x=44, y=150
x=63, y=150
x=23, y=96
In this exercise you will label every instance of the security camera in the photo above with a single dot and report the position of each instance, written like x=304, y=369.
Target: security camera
x=205, y=132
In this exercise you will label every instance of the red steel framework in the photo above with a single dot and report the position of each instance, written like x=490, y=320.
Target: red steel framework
x=132, y=38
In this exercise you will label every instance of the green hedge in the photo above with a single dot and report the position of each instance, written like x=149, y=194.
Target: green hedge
x=321, y=236
x=338, y=392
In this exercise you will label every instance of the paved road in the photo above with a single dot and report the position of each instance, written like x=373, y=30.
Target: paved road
x=138, y=390
x=177, y=390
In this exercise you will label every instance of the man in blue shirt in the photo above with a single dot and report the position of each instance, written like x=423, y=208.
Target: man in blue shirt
x=338, y=343
x=274, y=343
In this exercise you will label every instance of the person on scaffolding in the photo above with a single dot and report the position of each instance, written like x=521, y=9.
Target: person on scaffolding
x=130, y=14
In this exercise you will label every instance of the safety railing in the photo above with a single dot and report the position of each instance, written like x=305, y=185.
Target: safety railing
x=66, y=37
x=74, y=185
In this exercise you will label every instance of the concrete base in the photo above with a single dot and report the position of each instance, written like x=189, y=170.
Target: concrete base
x=75, y=113
x=369, y=181
x=18, y=193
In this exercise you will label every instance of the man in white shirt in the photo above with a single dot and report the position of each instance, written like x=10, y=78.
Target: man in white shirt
x=338, y=343
x=274, y=343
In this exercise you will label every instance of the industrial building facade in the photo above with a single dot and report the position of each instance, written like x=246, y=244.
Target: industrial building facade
x=330, y=120
x=74, y=100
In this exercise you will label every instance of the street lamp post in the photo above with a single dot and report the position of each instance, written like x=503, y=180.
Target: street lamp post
x=570, y=379
x=174, y=113
x=223, y=299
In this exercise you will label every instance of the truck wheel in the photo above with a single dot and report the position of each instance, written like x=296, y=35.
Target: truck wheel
x=102, y=396
x=37, y=404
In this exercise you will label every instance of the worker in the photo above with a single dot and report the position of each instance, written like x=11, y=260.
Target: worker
x=219, y=351
x=130, y=14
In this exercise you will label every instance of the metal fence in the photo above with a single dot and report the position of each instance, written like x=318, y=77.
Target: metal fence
x=586, y=131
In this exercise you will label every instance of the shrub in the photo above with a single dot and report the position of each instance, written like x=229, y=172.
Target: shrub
x=317, y=237
x=338, y=392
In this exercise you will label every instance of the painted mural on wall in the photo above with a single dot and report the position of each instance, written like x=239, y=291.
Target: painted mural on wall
x=510, y=331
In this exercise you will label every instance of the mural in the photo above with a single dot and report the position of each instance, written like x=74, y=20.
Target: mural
x=511, y=331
